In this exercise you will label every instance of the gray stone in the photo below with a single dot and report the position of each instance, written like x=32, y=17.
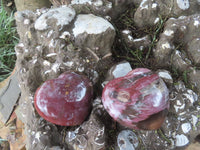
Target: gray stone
x=118, y=70
x=185, y=7
x=127, y=140
x=165, y=75
x=62, y=16
x=9, y=94
x=94, y=34
x=177, y=46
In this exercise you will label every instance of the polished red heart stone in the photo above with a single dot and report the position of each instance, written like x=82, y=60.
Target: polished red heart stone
x=138, y=100
x=65, y=100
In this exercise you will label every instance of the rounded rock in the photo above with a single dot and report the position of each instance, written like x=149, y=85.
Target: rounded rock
x=139, y=100
x=65, y=100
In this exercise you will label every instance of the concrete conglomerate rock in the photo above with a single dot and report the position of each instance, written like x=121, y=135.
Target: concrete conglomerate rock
x=178, y=46
x=91, y=134
x=60, y=39
x=109, y=8
x=51, y=42
x=150, y=12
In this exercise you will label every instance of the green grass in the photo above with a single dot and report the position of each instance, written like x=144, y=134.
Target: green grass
x=8, y=39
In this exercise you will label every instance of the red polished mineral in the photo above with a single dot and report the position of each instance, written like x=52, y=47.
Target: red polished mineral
x=65, y=100
x=138, y=100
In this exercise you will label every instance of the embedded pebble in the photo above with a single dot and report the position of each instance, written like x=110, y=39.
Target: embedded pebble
x=168, y=32
x=68, y=63
x=127, y=140
x=179, y=106
x=180, y=86
x=95, y=3
x=191, y=96
x=46, y=63
x=194, y=121
x=181, y=140
x=65, y=15
x=48, y=71
x=126, y=31
x=166, y=45
x=26, y=21
x=116, y=71
x=154, y=5
x=121, y=69
x=186, y=127
x=90, y=24
x=156, y=20
x=143, y=5
x=55, y=67
x=64, y=35
x=49, y=34
x=165, y=75
x=196, y=23
x=51, y=54
x=183, y=4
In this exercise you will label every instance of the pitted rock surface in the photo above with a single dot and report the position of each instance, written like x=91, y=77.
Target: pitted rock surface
x=179, y=44
x=91, y=134
x=184, y=111
x=150, y=12
x=110, y=8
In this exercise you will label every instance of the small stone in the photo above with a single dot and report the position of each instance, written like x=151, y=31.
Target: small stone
x=90, y=24
x=119, y=70
x=181, y=140
x=127, y=140
x=165, y=75
x=186, y=127
x=183, y=4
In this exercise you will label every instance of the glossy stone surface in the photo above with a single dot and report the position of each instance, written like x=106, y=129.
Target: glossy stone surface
x=138, y=100
x=65, y=100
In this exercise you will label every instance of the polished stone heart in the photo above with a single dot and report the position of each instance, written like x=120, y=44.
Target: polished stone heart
x=139, y=100
x=65, y=100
